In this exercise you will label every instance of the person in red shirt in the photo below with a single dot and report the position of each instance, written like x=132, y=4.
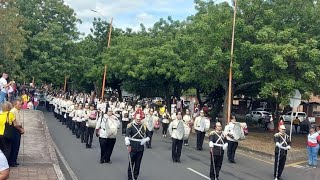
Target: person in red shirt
x=313, y=147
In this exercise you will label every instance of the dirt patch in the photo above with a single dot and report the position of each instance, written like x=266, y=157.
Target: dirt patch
x=263, y=142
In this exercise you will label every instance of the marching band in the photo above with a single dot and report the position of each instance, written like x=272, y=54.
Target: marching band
x=105, y=117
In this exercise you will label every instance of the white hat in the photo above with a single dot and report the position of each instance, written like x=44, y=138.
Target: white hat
x=282, y=127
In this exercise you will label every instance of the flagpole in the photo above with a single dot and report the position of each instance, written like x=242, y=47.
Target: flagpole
x=105, y=67
x=231, y=63
x=65, y=84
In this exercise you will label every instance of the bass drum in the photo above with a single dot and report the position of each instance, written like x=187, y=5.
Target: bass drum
x=207, y=127
x=112, y=129
x=187, y=131
x=180, y=131
x=238, y=133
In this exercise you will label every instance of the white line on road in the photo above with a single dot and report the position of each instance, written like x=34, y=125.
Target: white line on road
x=206, y=177
x=64, y=161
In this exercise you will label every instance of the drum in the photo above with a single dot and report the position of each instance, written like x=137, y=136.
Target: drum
x=112, y=129
x=238, y=133
x=180, y=131
x=207, y=127
x=187, y=131
x=149, y=123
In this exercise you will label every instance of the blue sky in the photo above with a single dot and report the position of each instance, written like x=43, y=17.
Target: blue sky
x=130, y=13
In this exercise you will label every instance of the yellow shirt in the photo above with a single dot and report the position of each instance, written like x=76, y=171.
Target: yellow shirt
x=25, y=98
x=3, y=119
x=161, y=110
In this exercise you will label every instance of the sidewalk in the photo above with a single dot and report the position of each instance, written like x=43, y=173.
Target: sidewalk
x=37, y=157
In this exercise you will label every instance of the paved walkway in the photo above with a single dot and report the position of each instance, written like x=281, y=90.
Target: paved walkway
x=37, y=157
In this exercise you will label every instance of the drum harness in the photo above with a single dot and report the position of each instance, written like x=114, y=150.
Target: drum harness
x=278, y=162
x=219, y=145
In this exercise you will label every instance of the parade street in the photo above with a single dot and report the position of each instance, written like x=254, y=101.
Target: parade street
x=157, y=163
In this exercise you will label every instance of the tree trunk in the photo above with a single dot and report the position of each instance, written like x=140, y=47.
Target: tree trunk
x=199, y=98
x=167, y=96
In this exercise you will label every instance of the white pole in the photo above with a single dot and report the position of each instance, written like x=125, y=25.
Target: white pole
x=291, y=121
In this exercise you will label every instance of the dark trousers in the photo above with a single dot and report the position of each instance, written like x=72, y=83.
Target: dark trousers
x=124, y=126
x=89, y=136
x=232, y=147
x=77, y=129
x=200, y=138
x=106, y=146
x=50, y=107
x=149, y=134
x=5, y=146
x=296, y=128
x=282, y=163
x=165, y=128
x=215, y=166
x=136, y=158
x=73, y=126
x=47, y=105
x=82, y=131
x=176, y=149
x=15, y=146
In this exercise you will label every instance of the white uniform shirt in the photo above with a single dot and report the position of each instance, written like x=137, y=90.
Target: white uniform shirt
x=187, y=119
x=79, y=115
x=199, y=123
x=165, y=119
x=173, y=128
x=105, y=121
x=229, y=130
x=123, y=115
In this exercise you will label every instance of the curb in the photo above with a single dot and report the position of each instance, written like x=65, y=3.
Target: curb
x=51, y=147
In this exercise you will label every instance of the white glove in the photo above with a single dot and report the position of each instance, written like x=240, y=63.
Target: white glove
x=278, y=145
x=288, y=147
x=211, y=144
x=225, y=146
x=127, y=141
x=144, y=141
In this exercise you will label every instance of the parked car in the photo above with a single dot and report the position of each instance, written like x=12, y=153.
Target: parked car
x=301, y=115
x=258, y=116
x=263, y=109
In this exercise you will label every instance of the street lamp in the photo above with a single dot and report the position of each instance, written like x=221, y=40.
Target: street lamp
x=108, y=45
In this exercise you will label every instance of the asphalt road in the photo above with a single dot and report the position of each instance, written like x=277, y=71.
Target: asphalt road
x=157, y=164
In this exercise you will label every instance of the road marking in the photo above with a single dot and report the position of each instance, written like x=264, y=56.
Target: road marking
x=200, y=174
x=64, y=161
x=297, y=163
x=258, y=159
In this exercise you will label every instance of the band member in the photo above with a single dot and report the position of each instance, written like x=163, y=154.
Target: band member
x=283, y=142
x=73, y=118
x=69, y=108
x=232, y=143
x=125, y=120
x=79, y=114
x=149, y=121
x=106, y=129
x=188, y=121
x=176, y=130
x=83, y=123
x=91, y=125
x=135, y=140
x=218, y=144
x=174, y=114
x=199, y=126
x=165, y=122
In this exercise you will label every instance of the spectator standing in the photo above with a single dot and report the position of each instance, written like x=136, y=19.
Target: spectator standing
x=313, y=147
x=296, y=124
x=4, y=87
x=7, y=116
x=17, y=134
x=4, y=167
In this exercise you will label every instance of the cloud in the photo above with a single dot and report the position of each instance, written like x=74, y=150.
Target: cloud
x=130, y=13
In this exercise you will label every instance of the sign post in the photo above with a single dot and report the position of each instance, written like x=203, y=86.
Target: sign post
x=295, y=102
